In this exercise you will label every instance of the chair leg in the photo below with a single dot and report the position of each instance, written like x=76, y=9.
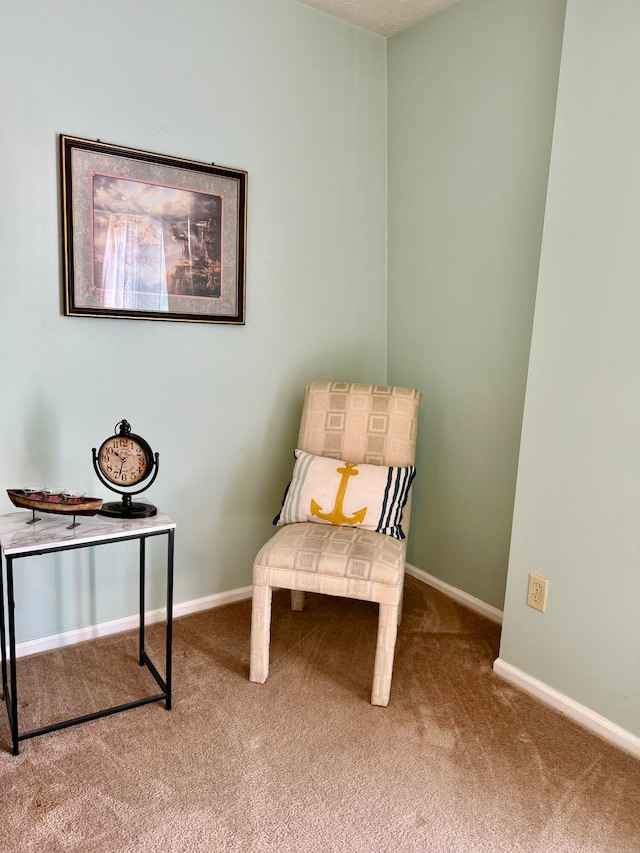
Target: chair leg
x=297, y=599
x=260, y=633
x=385, y=648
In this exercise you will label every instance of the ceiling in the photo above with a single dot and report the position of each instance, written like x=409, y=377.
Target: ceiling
x=384, y=17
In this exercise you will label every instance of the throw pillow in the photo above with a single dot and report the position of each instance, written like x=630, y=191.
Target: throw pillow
x=329, y=491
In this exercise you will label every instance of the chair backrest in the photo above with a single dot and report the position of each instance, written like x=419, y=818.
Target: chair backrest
x=373, y=424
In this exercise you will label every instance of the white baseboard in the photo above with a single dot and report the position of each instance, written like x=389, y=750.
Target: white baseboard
x=128, y=623
x=579, y=713
x=456, y=594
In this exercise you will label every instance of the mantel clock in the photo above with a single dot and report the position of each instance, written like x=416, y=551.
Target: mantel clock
x=124, y=462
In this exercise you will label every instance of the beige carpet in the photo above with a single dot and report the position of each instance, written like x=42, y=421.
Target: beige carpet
x=459, y=761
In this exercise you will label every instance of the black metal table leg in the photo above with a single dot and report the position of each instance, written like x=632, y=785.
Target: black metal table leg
x=169, y=638
x=12, y=706
x=142, y=585
x=3, y=641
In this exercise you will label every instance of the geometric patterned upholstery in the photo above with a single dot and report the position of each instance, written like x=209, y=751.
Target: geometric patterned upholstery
x=372, y=424
x=363, y=424
x=333, y=561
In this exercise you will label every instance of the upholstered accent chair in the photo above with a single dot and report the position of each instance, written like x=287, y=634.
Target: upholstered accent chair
x=361, y=424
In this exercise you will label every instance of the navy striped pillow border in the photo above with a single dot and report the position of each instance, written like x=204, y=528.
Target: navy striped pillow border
x=395, y=497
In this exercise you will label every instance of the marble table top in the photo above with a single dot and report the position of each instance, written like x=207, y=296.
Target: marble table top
x=52, y=531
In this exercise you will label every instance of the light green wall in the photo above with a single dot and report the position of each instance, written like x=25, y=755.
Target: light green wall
x=471, y=106
x=296, y=98
x=576, y=518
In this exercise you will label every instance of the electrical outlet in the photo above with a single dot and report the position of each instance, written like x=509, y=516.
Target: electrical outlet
x=537, y=592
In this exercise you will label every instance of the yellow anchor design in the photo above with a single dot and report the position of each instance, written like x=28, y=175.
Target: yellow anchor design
x=337, y=516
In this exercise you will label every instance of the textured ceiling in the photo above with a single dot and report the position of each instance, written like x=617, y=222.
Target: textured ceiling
x=384, y=17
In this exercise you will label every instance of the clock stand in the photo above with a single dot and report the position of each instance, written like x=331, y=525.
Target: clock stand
x=127, y=508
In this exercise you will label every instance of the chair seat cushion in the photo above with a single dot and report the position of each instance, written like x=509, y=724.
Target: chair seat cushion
x=342, y=561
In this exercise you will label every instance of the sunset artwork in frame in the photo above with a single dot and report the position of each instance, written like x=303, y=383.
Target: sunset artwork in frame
x=151, y=237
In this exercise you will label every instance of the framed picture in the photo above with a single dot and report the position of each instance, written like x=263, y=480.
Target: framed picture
x=151, y=237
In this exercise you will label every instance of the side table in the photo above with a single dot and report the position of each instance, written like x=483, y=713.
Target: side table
x=19, y=540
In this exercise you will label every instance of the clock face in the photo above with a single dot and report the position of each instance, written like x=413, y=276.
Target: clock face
x=124, y=460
